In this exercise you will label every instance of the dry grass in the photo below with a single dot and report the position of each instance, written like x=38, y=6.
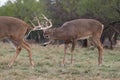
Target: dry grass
x=48, y=64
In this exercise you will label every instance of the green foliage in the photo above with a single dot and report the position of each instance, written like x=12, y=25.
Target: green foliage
x=23, y=9
x=63, y=10
x=104, y=10
x=60, y=11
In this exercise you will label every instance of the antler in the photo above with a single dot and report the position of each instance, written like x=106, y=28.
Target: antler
x=46, y=22
x=33, y=25
x=40, y=26
x=37, y=19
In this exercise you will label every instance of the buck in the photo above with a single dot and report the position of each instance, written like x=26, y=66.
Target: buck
x=14, y=30
x=74, y=30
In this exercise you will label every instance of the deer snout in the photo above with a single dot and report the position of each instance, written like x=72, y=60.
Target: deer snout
x=44, y=44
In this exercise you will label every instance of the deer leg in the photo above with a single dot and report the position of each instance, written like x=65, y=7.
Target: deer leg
x=72, y=49
x=111, y=44
x=27, y=47
x=100, y=50
x=111, y=41
x=18, y=49
x=65, y=48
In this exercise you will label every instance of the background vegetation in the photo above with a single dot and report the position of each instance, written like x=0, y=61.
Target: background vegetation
x=63, y=10
x=60, y=11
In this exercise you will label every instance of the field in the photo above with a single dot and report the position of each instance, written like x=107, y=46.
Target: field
x=48, y=64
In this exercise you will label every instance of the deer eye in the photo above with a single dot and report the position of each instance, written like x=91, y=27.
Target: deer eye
x=46, y=36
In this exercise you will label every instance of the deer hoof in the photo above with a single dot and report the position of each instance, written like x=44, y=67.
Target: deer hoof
x=32, y=63
x=62, y=64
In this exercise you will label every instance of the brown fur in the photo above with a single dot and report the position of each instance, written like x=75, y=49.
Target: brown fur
x=74, y=30
x=15, y=29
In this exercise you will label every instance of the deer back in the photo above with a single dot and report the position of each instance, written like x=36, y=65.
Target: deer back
x=12, y=27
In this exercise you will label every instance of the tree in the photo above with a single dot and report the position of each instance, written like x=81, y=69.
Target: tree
x=60, y=11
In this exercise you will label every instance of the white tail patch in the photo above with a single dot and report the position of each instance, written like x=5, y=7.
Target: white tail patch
x=86, y=37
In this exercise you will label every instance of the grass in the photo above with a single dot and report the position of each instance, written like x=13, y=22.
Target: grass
x=48, y=64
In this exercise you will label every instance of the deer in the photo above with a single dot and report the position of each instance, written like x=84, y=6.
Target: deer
x=111, y=31
x=15, y=30
x=74, y=30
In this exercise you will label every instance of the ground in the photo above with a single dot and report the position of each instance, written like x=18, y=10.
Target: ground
x=48, y=64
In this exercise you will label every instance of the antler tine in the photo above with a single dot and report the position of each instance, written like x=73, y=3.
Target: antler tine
x=45, y=17
x=32, y=24
x=48, y=21
x=37, y=20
